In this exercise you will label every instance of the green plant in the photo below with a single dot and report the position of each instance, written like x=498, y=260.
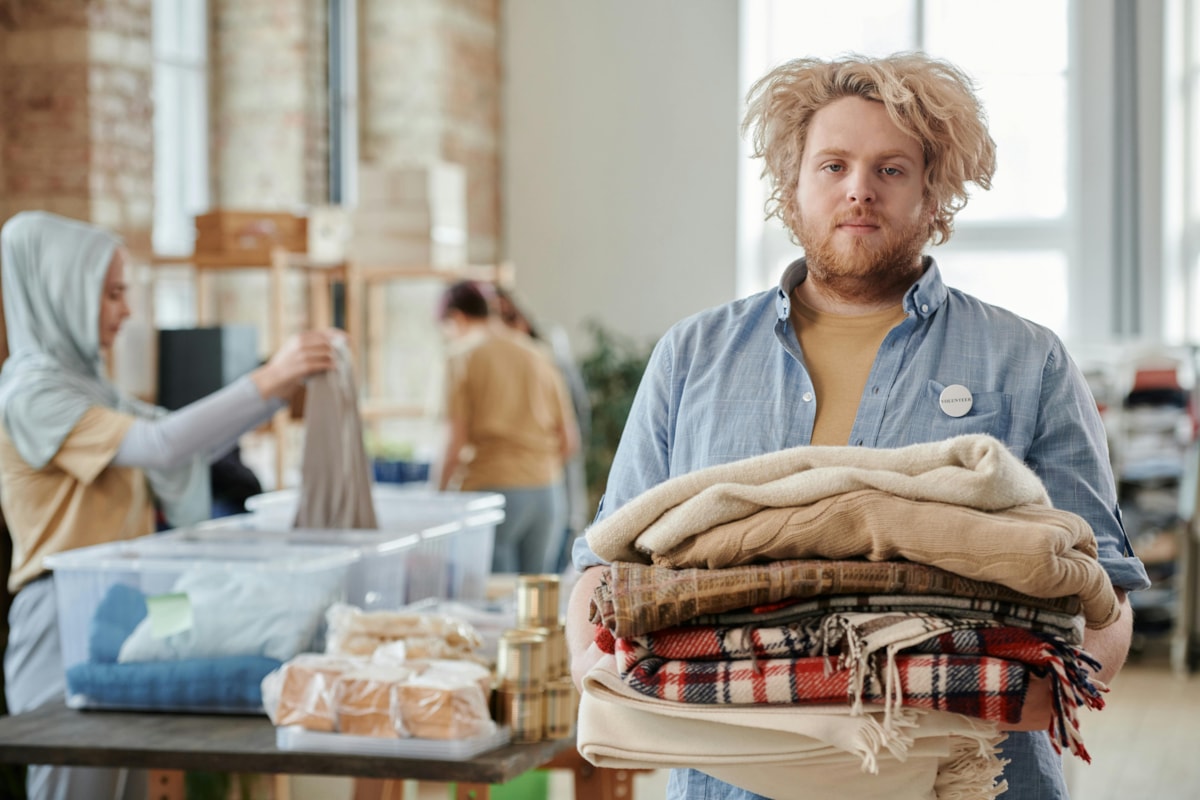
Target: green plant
x=612, y=370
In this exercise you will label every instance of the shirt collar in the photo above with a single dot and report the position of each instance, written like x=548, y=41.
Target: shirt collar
x=921, y=300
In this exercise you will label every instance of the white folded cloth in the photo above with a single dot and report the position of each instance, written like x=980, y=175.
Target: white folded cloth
x=770, y=750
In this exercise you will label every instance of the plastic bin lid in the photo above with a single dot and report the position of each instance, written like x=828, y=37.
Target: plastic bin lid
x=372, y=541
x=492, y=516
x=162, y=553
x=468, y=501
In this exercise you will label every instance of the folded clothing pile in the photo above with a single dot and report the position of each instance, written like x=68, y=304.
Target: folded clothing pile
x=892, y=605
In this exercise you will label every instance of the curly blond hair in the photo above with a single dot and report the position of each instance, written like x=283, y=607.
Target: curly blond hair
x=930, y=99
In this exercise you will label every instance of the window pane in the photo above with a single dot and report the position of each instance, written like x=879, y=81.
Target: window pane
x=1195, y=39
x=986, y=37
x=1030, y=283
x=1025, y=98
x=1028, y=120
x=1192, y=322
x=1193, y=146
x=820, y=29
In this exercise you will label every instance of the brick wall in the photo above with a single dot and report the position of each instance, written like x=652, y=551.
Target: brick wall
x=78, y=124
x=268, y=94
x=430, y=88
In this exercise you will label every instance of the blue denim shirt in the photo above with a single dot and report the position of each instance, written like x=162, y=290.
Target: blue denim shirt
x=730, y=383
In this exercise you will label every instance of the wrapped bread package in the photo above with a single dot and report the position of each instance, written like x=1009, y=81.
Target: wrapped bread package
x=352, y=631
x=444, y=705
x=454, y=671
x=365, y=701
x=300, y=692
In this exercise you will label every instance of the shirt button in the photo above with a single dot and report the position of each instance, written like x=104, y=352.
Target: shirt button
x=858, y=443
x=924, y=308
x=875, y=390
x=806, y=397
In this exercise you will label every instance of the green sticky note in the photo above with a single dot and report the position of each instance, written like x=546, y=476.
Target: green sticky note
x=169, y=614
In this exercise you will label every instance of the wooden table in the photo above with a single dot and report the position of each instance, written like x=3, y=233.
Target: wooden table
x=57, y=735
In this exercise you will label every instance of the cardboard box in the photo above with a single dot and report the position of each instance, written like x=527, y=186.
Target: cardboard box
x=249, y=234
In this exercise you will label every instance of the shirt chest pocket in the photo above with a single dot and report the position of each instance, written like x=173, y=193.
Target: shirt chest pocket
x=991, y=413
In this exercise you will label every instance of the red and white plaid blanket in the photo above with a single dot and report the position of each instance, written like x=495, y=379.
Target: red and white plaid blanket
x=980, y=671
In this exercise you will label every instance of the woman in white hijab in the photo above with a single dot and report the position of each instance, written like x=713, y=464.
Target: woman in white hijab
x=82, y=463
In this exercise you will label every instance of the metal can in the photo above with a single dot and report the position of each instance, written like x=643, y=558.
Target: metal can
x=557, y=655
x=537, y=601
x=521, y=660
x=561, y=707
x=523, y=712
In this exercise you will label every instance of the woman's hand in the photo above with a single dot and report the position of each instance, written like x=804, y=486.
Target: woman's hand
x=301, y=356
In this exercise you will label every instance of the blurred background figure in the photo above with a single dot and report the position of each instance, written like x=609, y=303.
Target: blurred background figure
x=511, y=429
x=555, y=344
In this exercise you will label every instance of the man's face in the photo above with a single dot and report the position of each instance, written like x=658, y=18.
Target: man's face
x=114, y=309
x=863, y=217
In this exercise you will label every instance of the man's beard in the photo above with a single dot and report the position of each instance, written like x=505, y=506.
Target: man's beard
x=866, y=273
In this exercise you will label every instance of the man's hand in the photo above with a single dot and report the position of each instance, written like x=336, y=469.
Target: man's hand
x=1037, y=710
x=1108, y=645
x=581, y=634
x=301, y=356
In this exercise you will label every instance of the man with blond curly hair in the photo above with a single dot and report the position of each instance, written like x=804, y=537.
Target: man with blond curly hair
x=863, y=344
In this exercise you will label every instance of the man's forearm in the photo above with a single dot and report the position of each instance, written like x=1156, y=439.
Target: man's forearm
x=1110, y=645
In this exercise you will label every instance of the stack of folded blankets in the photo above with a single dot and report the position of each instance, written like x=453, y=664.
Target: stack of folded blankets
x=850, y=620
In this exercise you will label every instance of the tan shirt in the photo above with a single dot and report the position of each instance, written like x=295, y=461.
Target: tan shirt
x=514, y=403
x=839, y=352
x=76, y=500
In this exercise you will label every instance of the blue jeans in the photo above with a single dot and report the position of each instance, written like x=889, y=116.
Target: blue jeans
x=530, y=538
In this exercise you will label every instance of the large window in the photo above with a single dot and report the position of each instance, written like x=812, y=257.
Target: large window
x=180, y=122
x=1011, y=246
x=1181, y=208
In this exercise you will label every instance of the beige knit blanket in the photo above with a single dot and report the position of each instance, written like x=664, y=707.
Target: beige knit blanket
x=1033, y=549
x=976, y=471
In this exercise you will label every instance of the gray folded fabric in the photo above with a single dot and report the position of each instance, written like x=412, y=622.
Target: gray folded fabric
x=335, y=489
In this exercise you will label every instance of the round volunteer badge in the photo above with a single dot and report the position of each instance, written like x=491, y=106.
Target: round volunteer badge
x=956, y=400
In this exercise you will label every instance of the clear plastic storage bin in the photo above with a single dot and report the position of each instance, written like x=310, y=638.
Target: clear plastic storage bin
x=164, y=623
x=389, y=568
x=450, y=558
x=396, y=507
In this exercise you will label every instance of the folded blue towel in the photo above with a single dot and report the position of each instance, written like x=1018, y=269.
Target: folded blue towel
x=118, y=613
x=228, y=684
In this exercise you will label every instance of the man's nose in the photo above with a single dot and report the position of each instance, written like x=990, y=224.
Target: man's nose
x=861, y=189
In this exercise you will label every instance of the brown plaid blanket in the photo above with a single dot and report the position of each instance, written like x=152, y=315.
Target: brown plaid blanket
x=633, y=599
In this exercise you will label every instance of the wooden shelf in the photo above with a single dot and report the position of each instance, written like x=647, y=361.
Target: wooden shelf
x=358, y=280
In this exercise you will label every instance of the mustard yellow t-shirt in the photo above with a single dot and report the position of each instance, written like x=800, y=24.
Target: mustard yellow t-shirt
x=512, y=400
x=76, y=500
x=839, y=352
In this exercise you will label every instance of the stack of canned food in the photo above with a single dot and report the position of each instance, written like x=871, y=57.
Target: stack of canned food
x=534, y=695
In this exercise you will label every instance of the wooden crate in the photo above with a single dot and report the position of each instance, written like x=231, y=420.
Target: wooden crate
x=249, y=234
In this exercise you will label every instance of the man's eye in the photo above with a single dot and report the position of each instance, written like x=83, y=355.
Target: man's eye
x=890, y=171
x=834, y=167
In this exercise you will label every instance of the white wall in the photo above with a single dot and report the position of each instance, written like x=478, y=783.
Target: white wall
x=620, y=159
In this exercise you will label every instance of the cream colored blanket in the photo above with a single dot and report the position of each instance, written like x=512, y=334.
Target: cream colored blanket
x=976, y=471
x=771, y=750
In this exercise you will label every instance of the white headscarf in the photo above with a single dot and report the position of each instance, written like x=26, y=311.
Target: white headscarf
x=53, y=277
